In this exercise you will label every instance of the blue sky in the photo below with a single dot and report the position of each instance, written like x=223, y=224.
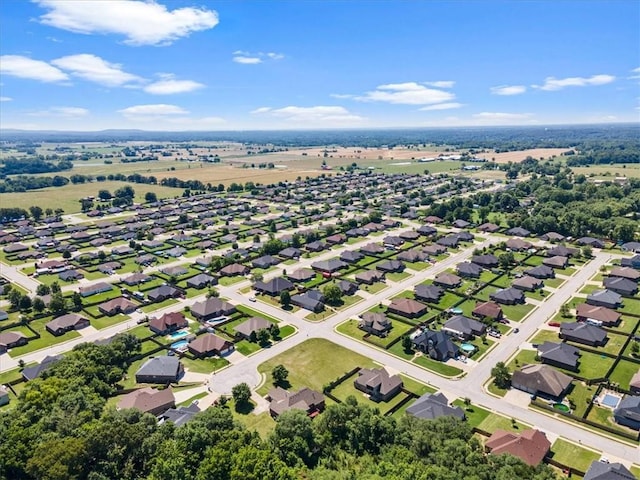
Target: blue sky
x=188, y=65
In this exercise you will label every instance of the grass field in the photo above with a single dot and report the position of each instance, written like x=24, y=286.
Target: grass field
x=609, y=171
x=573, y=455
x=312, y=364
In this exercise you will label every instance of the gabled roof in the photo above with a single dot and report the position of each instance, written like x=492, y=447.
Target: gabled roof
x=527, y=283
x=541, y=271
x=147, y=399
x=428, y=292
x=331, y=265
x=209, y=343
x=470, y=269
x=559, y=352
x=378, y=379
x=303, y=399
x=448, y=279
x=507, y=295
x=542, y=378
x=518, y=232
x=625, y=272
x=164, y=366
x=531, y=446
x=603, y=314
x=487, y=309
x=274, y=286
x=302, y=275
x=211, y=306
x=629, y=407
x=581, y=331
x=434, y=405
x=608, y=471
x=254, y=324
x=620, y=284
x=181, y=415
x=464, y=325
x=407, y=306
x=604, y=296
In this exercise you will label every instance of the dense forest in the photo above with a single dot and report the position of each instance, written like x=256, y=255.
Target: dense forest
x=62, y=429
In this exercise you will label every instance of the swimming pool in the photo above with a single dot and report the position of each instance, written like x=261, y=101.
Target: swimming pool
x=468, y=348
x=561, y=407
x=181, y=345
x=457, y=311
x=610, y=400
x=179, y=334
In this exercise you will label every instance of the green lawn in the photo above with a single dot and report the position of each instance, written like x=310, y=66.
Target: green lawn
x=437, y=367
x=545, y=336
x=246, y=347
x=350, y=329
x=631, y=305
x=498, y=392
x=623, y=373
x=313, y=364
x=107, y=321
x=517, y=312
x=554, y=282
x=627, y=324
x=495, y=422
x=228, y=281
x=375, y=288
x=589, y=288
x=581, y=395
x=204, y=365
x=189, y=401
x=398, y=277
x=604, y=416
x=524, y=357
x=593, y=366
x=157, y=306
x=475, y=414
x=349, y=301
x=262, y=423
x=635, y=470
x=46, y=339
x=573, y=455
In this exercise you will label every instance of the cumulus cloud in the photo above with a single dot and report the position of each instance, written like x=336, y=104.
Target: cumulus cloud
x=95, y=69
x=168, y=85
x=140, y=22
x=441, y=84
x=5, y=99
x=25, y=67
x=501, y=116
x=61, y=112
x=409, y=93
x=508, y=90
x=635, y=74
x=442, y=106
x=552, y=83
x=157, y=109
x=248, y=58
x=312, y=115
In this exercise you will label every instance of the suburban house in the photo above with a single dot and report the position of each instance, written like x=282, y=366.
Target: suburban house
x=434, y=249
x=625, y=272
x=168, y=322
x=450, y=241
x=4, y=396
x=488, y=227
x=434, y=405
x=117, y=305
x=485, y=261
x=372, y=249
x=181, y=415
x=598, y=315
x=591, y=242
x=488, y=310
x=316, y=246
x=428, y=293
x=392, y=242
x=508, y=296
x=164, y=369
x=252, y=326
x=273, y=287
x=11, y=339
x=305, y=399
x=633, y=262
x=234, y=269
x=312, y=300
x=136, y=279
x=201, y=280
x=265, y=262
x=527, y=283
x=604, y=298
x=148, y=400
x=378, y=384
x=621, y=285
x=65, y=323
x=630, y=247
x=94, y=289
x=562, y=251
x=369, y=277
x=347, y=287
x=559, y=354
x=70, y=275
x=552, y=237
x=518, y=232
x=210, y=308
x=518, y=245
x=437, y=345
x=208, y=344
x=351, y=256
x=541, y=380
x=447, y=280
x=628, y=412
x=634, y=383
x=290, y=252
x=468, y=269
x=391, y=266
x=301, y=275
x=375, y=323
x=164, y=292
x=29, y=373
x=608, y=471
x=407, y=307
x=541, y=272
x=531, y=446
x=412, y=256
x=582, y=332
x=329, y=266
x=463, y=327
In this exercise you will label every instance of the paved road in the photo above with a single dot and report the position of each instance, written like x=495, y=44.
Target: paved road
x=16, y=276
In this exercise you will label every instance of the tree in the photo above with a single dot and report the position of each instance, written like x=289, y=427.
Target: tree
x=77, y=300
x=275, y=331
x=505, y=260
x=587, y=251
x=285, y=298
x=38, y=305
x=104, y=195
x=55, y=287
x=42, y=290
x=501, y=375
x=332, y=294
x=66, y=254
x=58, y=304
x=14, y=298
x=407, y=345
x=241, y=393
x=36, y=212
x=25, y=303
x=150, y=197
x=280, y=375
x=635, y=349
x=263, y=336
x=8, y=287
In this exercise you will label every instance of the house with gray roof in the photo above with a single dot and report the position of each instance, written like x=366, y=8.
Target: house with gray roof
x=301, y=275
x=541, y=380
x=251, y=326
x=508, y=296
x=312, y=300
x=201, y=280
x=266, y=261
x=378, y=384
x=463, y=327
x=66, y=323
x=605, y=298
x=527, y=283
x=620, y=285
x=562, y=251
x=274, y=286
x=369, y=277
x=164, y=369
x=485, y=261
x=608, y=471
x=29, y=373
x=541, y=271
x=556, y=261
x=582, y=332
x=329, y=266
x=559, y=354
x=518, y=232
x=290, y=252
x=468, y=269
x=434, y=405
x=210, y=308
x=375, y=323
x=181, y=415
x=447, y=280
x=437, y=345
x=628, y=412
x=390, y=266
x=428, y=293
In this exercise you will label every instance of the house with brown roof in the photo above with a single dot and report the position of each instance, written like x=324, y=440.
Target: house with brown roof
x=378, y=384
x=301, y=275
x=488, y=310
x=527, y=283
x=252, y=325
x=66, y=323
x=634, y=383
x=407, y=307
x=11, y=339
x=518, y=245
x=169, y=322
x=94, y=289
x=208, y=344
x=434, y=249
x=447, y=280
x=372, y=249
x=148, y=400
x=600, y=315
x=556, y=262
x=305, y=399
x=488, y=227
x=234, y=269
x=369, y=277
x=625, y=272
x=117, y=305
x=210, y=308
x=375, y=323
x=531, y=446
x=541, y=380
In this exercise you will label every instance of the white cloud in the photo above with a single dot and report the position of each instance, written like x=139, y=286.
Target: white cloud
x=636, y=74
x=141, y=22
x=61, y=112
x=247, y=60
x=158, y=109
x=442, y=106
x=306, y=116
x=508, y=90
x=501, y=116
x=342, y=95
x=168, y=86
x=24, y=67
x=95, y=69
x=441, y=84
x=409, y=93
x=5, y=99
x=552, y=83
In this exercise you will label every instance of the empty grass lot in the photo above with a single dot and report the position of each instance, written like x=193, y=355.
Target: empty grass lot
x=495, y=422
x=313, y=364
x=573, y=455
x=475, y=414
x=631, y=305
x=517, y=312
x=204, y=365
x=545, y=336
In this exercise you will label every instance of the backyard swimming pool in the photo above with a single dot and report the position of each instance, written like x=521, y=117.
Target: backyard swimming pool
x=468, y=348
x=182, y=344
x=178, y=334
x=561, y=407
x=610, y=400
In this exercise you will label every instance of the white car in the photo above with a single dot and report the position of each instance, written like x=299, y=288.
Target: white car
x=252, y=299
